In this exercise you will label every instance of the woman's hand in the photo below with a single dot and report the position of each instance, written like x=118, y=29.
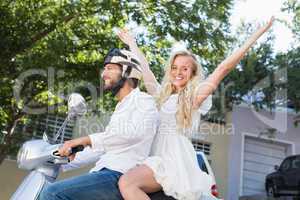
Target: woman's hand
x=150, y=81
x=269, y=23
x=126, y=37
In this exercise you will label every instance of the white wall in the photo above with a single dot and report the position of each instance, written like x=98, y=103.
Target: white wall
x=246, y=120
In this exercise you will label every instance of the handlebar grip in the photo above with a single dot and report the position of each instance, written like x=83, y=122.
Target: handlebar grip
x=76, y=149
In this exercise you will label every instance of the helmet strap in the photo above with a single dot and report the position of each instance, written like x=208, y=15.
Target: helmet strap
x=116, y=88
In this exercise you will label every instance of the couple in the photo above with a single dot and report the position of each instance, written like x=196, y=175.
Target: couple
x=125, y=167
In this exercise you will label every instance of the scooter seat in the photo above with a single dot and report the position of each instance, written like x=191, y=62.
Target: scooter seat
x=160, y=196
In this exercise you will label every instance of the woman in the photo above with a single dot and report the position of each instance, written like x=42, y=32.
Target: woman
x=172, y=165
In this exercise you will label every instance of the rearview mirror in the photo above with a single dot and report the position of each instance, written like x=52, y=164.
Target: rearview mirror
x=76, y=105
x=276, y=167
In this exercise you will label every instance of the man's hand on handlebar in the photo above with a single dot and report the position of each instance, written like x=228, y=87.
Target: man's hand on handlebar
x=66, y=149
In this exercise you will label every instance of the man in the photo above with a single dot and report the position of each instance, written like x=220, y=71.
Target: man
x=125, y=142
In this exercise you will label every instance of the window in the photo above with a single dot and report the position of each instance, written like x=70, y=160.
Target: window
x=286, y=165
x=36, y=126
x=50, y=124
x=202, y=146
x=201, y=163
x=295, y=163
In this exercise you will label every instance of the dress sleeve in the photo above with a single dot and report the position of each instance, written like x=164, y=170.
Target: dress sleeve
x=206, y=105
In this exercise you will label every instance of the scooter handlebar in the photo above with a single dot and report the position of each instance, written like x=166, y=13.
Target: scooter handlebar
x=76, y=149
x=73, y=150
x=64, y=160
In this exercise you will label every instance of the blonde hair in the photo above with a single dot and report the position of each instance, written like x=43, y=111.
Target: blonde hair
x=185, y=96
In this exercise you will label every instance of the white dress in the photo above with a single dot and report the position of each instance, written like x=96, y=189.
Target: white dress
x=173, y=158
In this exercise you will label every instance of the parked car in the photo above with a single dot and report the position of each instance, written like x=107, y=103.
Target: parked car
x=204, y=166
x=286, y=178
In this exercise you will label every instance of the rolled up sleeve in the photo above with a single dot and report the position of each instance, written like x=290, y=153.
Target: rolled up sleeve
x=83, y=158
x=97, y=141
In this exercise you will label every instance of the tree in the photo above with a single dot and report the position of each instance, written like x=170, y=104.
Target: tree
x=291, y=58
x=43, y=34
x=293, y=7
x=48, y=47
x=290, y=61
x=242, y=82
x=262, y=63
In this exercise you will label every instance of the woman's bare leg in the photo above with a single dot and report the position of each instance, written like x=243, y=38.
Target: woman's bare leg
x=137, y=182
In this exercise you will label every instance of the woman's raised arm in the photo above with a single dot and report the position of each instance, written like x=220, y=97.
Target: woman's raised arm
x=150, y=81
x=208, y=86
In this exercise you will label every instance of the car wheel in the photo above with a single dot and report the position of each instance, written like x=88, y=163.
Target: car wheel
x=271, y=191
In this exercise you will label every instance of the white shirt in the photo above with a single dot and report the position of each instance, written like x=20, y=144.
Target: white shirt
x=127, y=138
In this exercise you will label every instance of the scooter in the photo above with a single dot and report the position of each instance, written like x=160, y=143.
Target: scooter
x=41, y=156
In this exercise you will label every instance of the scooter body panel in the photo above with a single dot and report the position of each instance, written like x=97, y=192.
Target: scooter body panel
x=30, y=187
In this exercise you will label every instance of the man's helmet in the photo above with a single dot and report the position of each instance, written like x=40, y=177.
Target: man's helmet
x=129, y=63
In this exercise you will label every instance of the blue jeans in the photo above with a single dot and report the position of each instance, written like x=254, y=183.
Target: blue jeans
x=101, y=185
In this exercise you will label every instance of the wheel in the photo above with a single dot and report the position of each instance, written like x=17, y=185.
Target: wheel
x=271, y=191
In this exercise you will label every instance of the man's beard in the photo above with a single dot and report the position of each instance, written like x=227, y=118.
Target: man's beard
x=110, y=85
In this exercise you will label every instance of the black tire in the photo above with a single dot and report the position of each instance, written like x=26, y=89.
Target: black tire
x=271, y=191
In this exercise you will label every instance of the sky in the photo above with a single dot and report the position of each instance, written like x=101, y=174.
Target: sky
x=261, y=11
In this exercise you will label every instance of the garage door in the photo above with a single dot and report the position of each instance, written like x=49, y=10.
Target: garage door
x=260, y=157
